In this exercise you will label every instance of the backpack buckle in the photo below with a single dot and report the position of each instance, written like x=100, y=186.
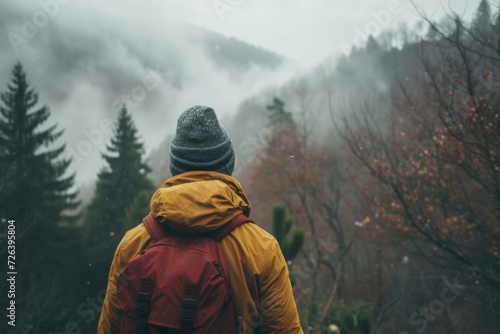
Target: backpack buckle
x=188, y=310
x=142, y=307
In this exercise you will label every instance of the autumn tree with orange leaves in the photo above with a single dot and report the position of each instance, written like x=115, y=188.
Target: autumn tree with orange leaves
x=434, y=163
x=294, y=171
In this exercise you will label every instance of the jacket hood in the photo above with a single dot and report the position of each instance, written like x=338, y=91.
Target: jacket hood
x=199, y=201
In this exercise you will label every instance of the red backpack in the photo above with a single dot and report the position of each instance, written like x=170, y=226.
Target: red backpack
x=179, y=284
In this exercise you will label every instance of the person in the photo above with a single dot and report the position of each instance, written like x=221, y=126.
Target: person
x=201, y=196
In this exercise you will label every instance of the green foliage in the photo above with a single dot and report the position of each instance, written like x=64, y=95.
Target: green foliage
x=497, y=24
x=138, y=209
x=296, y=243
x=280, y=119
x=35, y=187
x=118, y=184
x=281, y=227
x=315, y=311
x=482, y=18
x=372, y=45
x=37, y=192
x=355, y=319
x=278, y=228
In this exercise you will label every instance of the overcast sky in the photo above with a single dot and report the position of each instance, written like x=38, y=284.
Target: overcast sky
x=90, y=52
x=306, y=31
x=309, y=31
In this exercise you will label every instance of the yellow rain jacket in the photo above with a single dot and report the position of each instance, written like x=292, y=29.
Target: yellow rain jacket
x=198, y=202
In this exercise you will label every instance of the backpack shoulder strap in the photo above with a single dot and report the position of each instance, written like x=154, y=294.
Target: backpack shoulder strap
x=227, y=228
x=153, y=227
x=157, y=231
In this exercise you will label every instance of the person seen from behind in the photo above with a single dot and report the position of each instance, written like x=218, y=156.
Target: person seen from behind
x=201, y=198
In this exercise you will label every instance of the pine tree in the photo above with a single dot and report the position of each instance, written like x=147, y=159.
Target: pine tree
x=458, y=28
x=138, y=209
x=35, y=187
x=122, y=179
x=432, y=33
x=37, y=193
x=497, y=24
x=280, y=119
x=372, y=45
x=281, y=228
x=482, y=20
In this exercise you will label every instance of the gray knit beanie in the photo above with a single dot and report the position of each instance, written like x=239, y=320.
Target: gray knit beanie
x=201, y=143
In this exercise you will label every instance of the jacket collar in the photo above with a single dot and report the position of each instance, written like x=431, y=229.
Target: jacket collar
x=199, y=201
